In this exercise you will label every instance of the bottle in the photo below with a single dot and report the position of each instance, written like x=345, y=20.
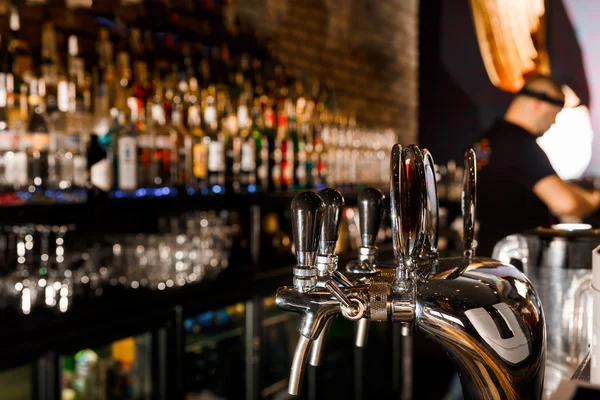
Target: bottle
x=50, y=68
x=37, y=139
x=300, y=155
x=274, y=146
x=145, y=143
x=215, y=143
x=160, y=167
x=127, y=152
x=199, y=159
x=232, y=144
x=247, y=170
x=19, y=49
x=16, y=166
x=261, y=147
x=286, y=121
x=8, y=140
x=320, y=164
x=181, y=140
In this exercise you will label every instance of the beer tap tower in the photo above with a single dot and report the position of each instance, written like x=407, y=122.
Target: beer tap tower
x=485, y=314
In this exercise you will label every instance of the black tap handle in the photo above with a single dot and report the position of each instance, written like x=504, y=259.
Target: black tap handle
x=330, y=229
x=370, y=212
x=307, y=216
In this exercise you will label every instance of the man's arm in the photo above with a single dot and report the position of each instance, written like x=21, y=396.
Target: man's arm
x=565, y=199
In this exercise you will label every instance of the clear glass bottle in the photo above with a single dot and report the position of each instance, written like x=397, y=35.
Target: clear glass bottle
x=214, y=139
x=199, y=156
x=181, y=154
x=127, y=151
x=38, y=140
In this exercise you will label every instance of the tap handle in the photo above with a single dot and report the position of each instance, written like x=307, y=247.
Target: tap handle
x=330, y=229
x=395, y=194
x=307, y=215
x=413, y=201
x=469, y=201
x=370, y=213
x=407, y=189
x=431, y=218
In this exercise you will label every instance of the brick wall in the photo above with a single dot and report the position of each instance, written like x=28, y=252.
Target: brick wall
x=368, y=49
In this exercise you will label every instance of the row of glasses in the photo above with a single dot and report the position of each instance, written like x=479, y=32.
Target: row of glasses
x=187, y=249
x=35, y=268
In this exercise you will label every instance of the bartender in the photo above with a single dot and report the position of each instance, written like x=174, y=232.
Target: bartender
x=517, y=187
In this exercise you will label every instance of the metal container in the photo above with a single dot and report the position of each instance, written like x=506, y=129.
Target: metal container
x=558, y=262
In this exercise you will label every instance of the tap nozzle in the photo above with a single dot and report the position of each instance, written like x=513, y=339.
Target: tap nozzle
x=307, y=215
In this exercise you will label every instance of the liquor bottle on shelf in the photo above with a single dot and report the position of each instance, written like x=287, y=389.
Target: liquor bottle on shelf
x=9, y=141
x=160, y=163
x=37, y=141
x=286, y=127
x=274, y=144
x=232, y=146
x=214, y=142
x=225, y=117
x=181, y=139
x=78, y=123
x=261, y=147
x=18, y=48
x=321, y=176
x=247, y=145
x=145, y=143
x=199, y=156
x=127, y=152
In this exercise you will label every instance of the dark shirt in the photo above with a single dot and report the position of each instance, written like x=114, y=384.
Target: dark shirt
x=510, y=163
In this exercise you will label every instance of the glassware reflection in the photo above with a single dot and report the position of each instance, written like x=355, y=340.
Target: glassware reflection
x=42, y=266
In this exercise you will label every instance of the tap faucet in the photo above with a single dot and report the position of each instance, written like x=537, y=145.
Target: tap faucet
x=370, y=213
x=485, y=314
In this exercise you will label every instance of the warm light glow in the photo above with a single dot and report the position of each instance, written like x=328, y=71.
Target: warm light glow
x=568, y=143
x=572, y=227
x=511, y=40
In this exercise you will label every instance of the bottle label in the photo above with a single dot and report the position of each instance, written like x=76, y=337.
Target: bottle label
x=38, y=141
x=276, y=174
x=16, y=169
x=163, y=142
x=200, y=169
x=127, y=163
x=8, y=140
x=80, y=174
x=210, y=115
x=144, y=141
x=215, y=156
x=248, y=160
x=269, y=118
x=242, y=117
x=72, y=141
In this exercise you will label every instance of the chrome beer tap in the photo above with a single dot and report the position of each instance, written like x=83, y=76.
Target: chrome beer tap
x=370, y=212
x=316, y=303
x=485, y=314
x=327, y=260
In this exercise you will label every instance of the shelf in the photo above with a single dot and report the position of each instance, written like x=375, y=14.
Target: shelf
x=102, y=210
x=119, y=312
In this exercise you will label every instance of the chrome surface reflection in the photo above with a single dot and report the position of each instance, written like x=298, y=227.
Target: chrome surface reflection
x=485, y=314
x=490, y=321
